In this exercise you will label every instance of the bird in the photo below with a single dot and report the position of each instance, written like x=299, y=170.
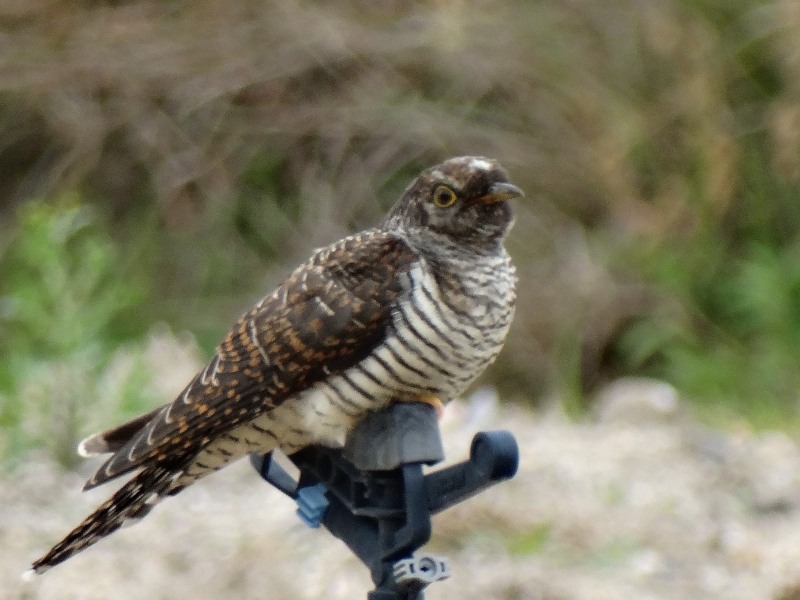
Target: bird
x=412, y=310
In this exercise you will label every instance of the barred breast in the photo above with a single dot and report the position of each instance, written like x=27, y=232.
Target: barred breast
x=443, y=335
x=448, y=330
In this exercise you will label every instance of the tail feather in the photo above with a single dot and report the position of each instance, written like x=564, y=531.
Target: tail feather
x=132, y=501
x=115, y=438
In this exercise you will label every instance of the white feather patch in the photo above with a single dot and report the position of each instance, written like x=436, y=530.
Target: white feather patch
x=92, y=446
x=480, y=163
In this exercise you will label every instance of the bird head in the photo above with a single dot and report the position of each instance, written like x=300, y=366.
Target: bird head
x=463, y=198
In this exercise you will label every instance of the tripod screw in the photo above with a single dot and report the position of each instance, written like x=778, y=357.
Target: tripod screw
x=420, y=570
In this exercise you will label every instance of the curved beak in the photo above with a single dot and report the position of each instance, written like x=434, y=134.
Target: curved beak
x=501, y=191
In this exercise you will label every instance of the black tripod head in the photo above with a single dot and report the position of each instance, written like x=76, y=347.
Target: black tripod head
x=372, y=494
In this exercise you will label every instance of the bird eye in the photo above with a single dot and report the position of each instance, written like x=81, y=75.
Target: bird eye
x=443, y=196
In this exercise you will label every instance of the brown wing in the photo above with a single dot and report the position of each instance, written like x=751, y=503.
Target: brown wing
x=327, y=316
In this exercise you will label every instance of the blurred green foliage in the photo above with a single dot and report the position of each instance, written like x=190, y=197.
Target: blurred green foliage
x=68, y=304
x=532, y=541
x=65, y=291
x=732, y=340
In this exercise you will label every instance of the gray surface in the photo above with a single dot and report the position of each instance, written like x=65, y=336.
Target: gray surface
x=405, y=432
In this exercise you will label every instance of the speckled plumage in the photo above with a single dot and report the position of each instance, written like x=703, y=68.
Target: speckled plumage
x=411, y=311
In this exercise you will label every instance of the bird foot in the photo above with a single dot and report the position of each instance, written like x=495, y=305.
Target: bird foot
x=434, y=401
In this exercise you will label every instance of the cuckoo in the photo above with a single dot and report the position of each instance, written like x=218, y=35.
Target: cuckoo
x=413, y=310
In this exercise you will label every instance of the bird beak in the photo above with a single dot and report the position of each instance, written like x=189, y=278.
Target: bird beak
x=501, y=191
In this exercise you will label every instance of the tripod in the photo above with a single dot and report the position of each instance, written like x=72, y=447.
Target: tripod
x=373, y=495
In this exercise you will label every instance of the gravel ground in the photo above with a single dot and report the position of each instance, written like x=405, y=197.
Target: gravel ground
x=637, y=502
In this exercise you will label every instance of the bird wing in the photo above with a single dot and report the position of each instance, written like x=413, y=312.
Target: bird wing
x=324, y=318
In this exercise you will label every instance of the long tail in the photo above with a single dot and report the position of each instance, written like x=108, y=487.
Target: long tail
x=132, y=501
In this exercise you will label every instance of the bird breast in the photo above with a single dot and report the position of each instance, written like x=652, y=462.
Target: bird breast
x=455, y=321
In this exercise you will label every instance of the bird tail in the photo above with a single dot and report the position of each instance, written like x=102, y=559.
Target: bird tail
x=112, y=440
x=131, y=502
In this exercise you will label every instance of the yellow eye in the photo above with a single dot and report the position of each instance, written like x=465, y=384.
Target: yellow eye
x=444, y=196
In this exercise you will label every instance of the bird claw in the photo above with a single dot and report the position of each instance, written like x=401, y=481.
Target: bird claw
x=433, y=401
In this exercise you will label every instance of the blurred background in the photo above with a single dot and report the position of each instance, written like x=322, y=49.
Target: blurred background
x=164, y=163
x=168, y=162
